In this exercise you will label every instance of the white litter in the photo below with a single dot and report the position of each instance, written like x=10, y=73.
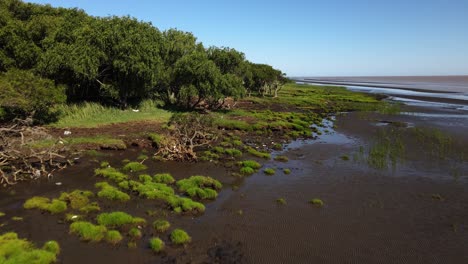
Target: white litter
x=67, y=132
x=135, y=110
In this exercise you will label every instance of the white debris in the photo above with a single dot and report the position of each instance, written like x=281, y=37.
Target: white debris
x=135, y=110
x=67, y=132
x=60, y=142
x=58, y=183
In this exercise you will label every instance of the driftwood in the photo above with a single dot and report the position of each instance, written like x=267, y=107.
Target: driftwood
x=187, y=132
x=20, y=159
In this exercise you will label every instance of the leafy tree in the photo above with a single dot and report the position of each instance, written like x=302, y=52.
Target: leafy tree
x=25, y=95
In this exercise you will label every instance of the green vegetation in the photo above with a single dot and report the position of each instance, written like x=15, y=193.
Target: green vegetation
x=17, y=218
x=142, y=157
x=76, y=199
x=118, y=219
x=344, y=157
x=286, y=171
x=233, y=152
x=281, y=158
x=88, y=231
x=316, y=202
x=16, y=250
x=161, y=225
x=55, y=206
x=200, y=186
x=247, y=171
x=103, y=142
x=104, y=164
x=157, y=139
x=269, y=171
x=163, y=178
x=156, y=244
x=260, y=154
x=281, y=201
x=89, y=208
x=134, y=167
x=113, y=237
x=180, y=237
x=2, y=214
x=251, y=164
x=145, y=178
x=111, y=193
x=135, y=233
x=111, y=174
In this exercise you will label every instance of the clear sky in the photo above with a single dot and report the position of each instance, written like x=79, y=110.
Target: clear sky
x=316, y=37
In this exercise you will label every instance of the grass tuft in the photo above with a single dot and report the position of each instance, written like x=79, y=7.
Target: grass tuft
x=134, y=167
x=316, y=202
x=180, y=237
x=161, y=225
x=113, y=237
x=111, y=174
x=55, y=206
x=156, y=244
x=269, y=171
x=163, y=178
x=87, y=231
x=111, y=193
x=15, y=250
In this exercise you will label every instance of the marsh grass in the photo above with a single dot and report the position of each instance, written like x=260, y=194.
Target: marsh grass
x=286, y=171
x=111, y=174
x=281, y=201
x=93, y=115
x=180, y=237
x=103, y=142
x=15, y=250
x=156, y=244
x=259, y=154
x=163, y=178
x=202, y=187
x=134, y=167
x=269, y=171
x=111, y=193
x=113, y=237
x=282, y=158
x=77, y=198
x=317, y=202
x=53, y=206
x=88, y=231
x=135, y=233
x=161, y=225
x=118, y=219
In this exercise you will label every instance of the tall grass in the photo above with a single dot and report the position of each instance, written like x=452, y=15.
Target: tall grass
x=94, y=114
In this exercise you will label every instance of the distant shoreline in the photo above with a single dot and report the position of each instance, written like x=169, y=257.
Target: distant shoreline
x=434, y=84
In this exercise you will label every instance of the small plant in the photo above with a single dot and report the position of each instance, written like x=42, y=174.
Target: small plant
x=113, y=237
x=316, y=202
x=269, y=171
x=76, y=199
x=135, y=233
x=247, y=171
x=233, y=152
x=145, y=178
x=105, y=164
x=142, y=157
x=251, y=164
x=200, y=186
x=281, y=201
x=161, y=225
x=134, y=167
x=163, y=178
x=286, y=171
x=156, y=244
x=260, y=154
x=2, y=214
x=281, y=158
x=87, y=231
x=92, y=207
x=131, y=244
x=111, y=174
x=110, y=192
x=52, y=247
x=277, y=146
x=17, y=218
x=237, y=143
x=180, y=237
x=117, y=219
x=55, y=206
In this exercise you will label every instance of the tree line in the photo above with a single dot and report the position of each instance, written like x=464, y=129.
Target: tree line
x=53, y=55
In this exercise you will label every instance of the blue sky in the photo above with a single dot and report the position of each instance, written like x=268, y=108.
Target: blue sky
x=316, y=38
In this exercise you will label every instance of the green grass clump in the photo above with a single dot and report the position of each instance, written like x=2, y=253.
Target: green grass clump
x=2, y=214
x=269, y=171
x=76, y=199
x=113, y=237
x=277, y=146
x=286, y=171
x=157, y=139
x=89, y=208
x=104, y=164
x=161, y=225
x=145, y=178
x=233, y=152
x=130, y=185
x=111, y=193
x=237, y=143
x=163, y=178
x=183, y=204
x=156, y=244
x=87, y=231
x=219, y=150
x=20, y=251
x=251, y=164
x=202, y=187
x=134, y=167
x=118, y=219
x=52, y=246
x=152, y=190
x=135, y=233
x=111, y=174
x=208, y=156
x=55, y=206
x=316, y=202
x=180, y=237
x=260, y=154
x=247, y=171
x=281, y=201
x=281, y=158
x=142, y=157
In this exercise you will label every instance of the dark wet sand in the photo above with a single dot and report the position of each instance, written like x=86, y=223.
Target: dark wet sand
x=370, y=216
